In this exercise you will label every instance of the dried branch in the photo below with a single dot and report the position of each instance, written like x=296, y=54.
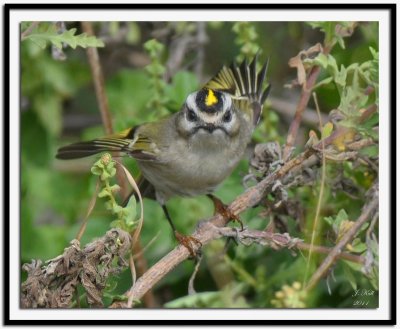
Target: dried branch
x=301, y=106
x=99, y=85
x=98, y=80
x=279, y=241
x=308, y=84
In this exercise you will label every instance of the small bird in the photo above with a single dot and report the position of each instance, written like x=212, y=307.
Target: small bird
x=192, y=151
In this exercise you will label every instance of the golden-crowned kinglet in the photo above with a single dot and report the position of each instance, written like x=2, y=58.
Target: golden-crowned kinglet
x=195, y=149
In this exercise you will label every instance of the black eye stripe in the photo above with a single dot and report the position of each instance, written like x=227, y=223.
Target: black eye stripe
x=227, y=116
x=191, y=116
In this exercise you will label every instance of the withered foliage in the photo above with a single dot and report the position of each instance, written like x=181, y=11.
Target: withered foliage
x=54, y=285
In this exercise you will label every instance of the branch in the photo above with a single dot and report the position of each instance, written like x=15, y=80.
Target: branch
x=303, y=101
x=279, y=241
x=98, y=80
x=301, y=106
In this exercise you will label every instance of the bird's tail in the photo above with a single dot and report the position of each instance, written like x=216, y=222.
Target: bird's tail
x=244, y=84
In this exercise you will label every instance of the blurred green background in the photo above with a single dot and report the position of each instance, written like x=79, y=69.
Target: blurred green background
x=58, y=106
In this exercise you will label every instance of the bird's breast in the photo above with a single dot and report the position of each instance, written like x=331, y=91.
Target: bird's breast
x=193, y=168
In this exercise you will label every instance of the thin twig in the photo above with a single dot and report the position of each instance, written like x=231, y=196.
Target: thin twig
x=325, y=250
x=98, y=80
x=301, y=106
x=320, y=195
x=279, y=241
x=191, y=290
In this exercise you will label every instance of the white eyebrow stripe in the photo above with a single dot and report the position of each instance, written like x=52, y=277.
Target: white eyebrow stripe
x=227, y=101
x=191, y=100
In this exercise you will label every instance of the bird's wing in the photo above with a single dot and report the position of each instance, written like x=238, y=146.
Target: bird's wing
x=129, y=141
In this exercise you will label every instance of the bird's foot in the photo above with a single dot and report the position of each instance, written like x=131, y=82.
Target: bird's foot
x=190, y=243
x=223, y=210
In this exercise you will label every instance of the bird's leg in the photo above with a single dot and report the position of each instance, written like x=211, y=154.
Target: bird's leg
x=186, y=240
x=223, y=210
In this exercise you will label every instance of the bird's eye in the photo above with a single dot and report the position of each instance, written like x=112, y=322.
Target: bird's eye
x=227, y=116
x=191, y=116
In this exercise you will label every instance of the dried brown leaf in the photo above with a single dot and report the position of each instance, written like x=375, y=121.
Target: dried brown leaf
x=54, y=285
x=298, y=62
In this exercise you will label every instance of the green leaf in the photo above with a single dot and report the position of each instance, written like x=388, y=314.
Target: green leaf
x=203, y=299
x=370, y=151
x=334, y=31
x=116, y=224
x=329, y=220
x=154, y=47
x=327, y=130
x=104, y=193
x=229, y=297
x=129, y=107
x=320, y=60
x=155, y=69
x=372, y=121
x=358, y=246
x=352, y=265
x=98, y=167
x=323, y=82
x=68, y=37
x=115, y=188
x=340, y=77
x=350, y=277
x=105, y=175
x=96, y=170
x=131, y=208
x=116, y=209
x=340, y=217
x=109, y=205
